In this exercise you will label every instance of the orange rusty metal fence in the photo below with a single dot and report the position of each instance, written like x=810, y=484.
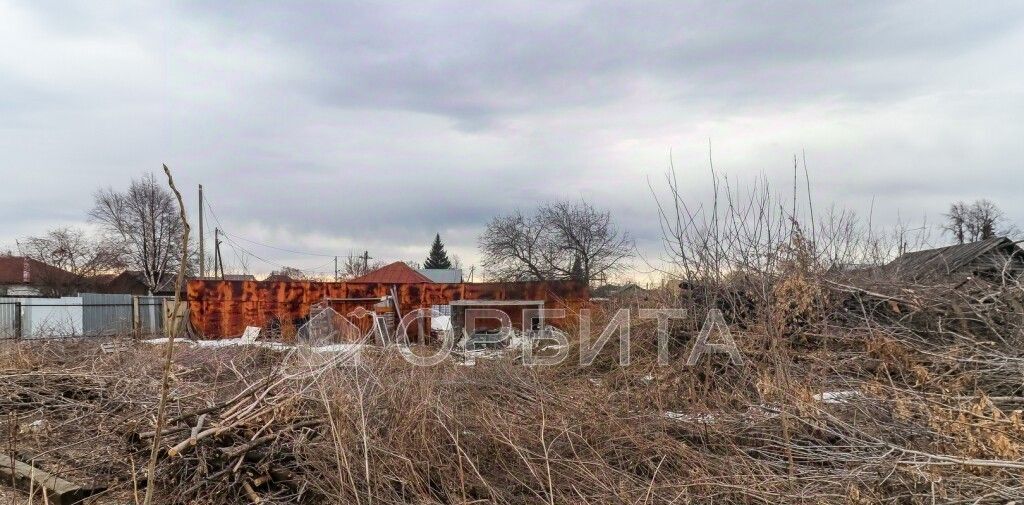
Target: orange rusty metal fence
x=220, y=309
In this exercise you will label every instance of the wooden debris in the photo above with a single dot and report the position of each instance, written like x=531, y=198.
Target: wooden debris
x=31, y=479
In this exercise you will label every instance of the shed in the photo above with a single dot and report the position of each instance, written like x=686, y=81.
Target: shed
x=514, y=308
x=990, y=258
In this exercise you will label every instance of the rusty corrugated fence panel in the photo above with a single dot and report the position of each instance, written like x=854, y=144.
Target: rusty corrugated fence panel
x=220, y=309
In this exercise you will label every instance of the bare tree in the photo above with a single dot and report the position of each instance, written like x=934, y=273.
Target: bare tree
x=289, y=272
x=980, y=220
x=563, y=240
x=586, y=244
x=354, y=266
x=984, y=217
x=956, y=221
x=72, y=250
x=145, y=221
x=511, y=248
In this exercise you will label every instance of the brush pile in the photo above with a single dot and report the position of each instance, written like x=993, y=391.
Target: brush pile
x=850, y=392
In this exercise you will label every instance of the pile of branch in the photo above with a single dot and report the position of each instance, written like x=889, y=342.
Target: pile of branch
x=240, y=444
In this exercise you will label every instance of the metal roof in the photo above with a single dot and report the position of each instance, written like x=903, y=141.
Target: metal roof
x=395, y=273
x=25, y=270
x=948, y=260
x=442, y=275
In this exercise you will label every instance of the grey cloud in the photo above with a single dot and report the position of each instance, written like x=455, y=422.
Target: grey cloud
x=476, y=62
x=377, y=124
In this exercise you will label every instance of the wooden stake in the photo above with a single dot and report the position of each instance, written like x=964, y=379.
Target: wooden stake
x=165, y=387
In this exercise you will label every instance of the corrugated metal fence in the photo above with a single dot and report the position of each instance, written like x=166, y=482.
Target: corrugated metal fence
x=104, y=314
x=89, y=314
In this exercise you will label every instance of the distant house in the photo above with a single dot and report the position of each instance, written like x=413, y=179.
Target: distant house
x=624, y=293
x=394, y=273
x=990, y=258
x=133, y=282
x=442, y=275
x=24, y=276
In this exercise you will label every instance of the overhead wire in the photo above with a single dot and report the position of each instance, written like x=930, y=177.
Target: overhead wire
x=235, y=246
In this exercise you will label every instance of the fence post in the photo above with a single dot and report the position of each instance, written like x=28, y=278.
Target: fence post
x=135, y=315
x=17, y=320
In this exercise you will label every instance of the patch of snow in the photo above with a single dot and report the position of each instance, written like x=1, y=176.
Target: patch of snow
x=441, y=323
x=274, y=346
x=691, y=418
x=837, y=396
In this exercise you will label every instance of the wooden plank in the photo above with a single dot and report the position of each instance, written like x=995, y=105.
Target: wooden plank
x=58, y=490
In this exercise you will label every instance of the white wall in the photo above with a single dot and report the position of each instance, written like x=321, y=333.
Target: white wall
x=51, y=317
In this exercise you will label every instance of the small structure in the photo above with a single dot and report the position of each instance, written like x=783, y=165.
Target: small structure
x=988, y=259
x=486, y=332
x=393, y=273
x=24, y=276
x=628, y=293
x=442, y=275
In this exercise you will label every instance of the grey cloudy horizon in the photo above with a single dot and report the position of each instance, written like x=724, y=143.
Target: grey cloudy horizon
x=337, y=127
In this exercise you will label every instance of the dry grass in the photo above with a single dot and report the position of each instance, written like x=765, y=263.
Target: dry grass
x=930, y=415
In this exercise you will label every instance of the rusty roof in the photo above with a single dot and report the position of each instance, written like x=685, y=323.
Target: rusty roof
x=24, y=270
x=394, y=273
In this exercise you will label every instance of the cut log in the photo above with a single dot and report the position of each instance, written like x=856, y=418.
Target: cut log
x=26, y=477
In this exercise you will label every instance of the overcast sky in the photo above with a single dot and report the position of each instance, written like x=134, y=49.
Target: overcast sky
x=333, y=127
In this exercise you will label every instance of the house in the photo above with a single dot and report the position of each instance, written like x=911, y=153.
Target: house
x=394, y=273
x=988, y=259
x=24, y=276
x=627, y=292
x=133, y=282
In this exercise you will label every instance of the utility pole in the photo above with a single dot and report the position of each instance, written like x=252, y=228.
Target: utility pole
x=335, y=269
x=217, y=261
x=366, y=261
x=202, y=247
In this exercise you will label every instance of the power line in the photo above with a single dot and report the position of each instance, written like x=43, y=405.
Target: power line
x=278, y=248
x=236, y=247
x=250, y=253
x=305, y=271
x=239, y=237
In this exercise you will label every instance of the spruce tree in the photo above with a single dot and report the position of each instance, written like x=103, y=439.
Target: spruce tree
x=438, y=258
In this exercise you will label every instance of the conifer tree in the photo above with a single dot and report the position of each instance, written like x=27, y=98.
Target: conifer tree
x=438, y=257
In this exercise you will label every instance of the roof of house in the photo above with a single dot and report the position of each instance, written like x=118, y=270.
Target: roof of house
x=24, y=270
x=950, y=259
x=442, y=275
x=394, y=273
x=238, y=277
x=138, y=277
x=613, y=290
